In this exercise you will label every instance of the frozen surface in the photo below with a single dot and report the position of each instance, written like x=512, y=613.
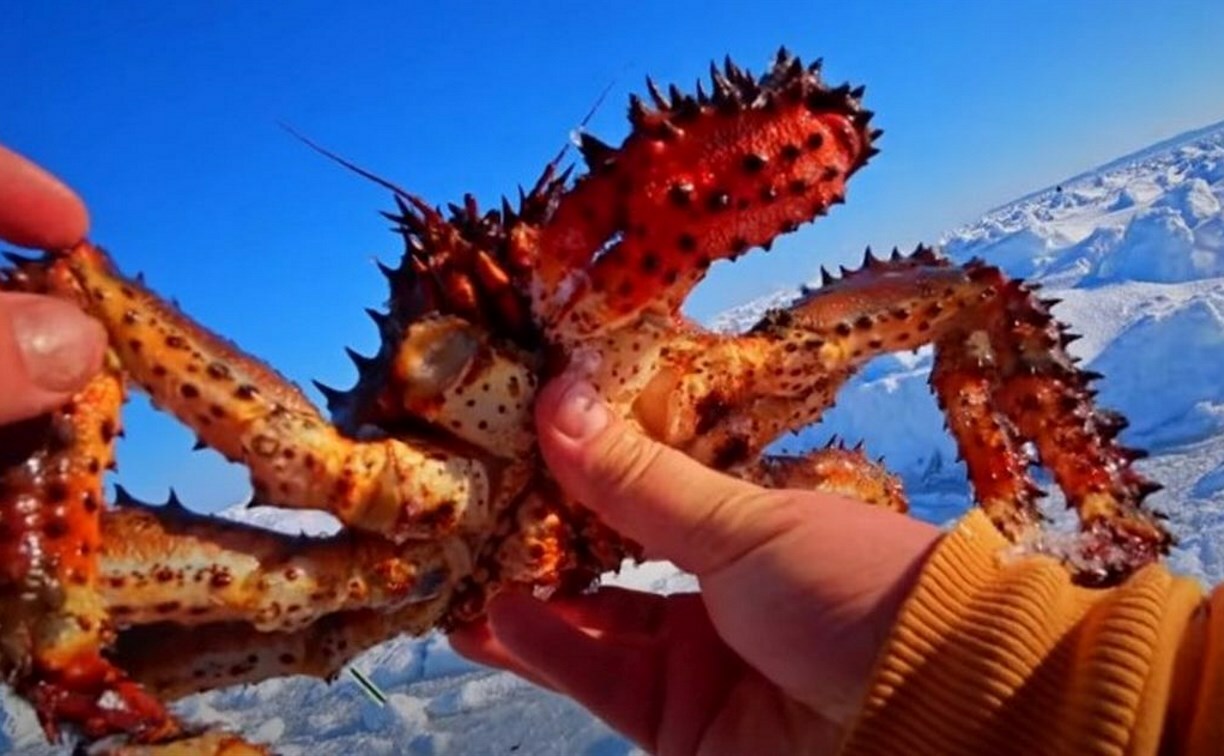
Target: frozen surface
x=1134, y=249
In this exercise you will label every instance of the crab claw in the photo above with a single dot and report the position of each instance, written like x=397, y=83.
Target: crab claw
x=700, y=178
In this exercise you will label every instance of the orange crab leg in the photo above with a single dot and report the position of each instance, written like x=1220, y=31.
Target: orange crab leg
x=834, y=470
x=53, y=623
x=175, y=661
x=1050, y=403
x=165, y=564
x=988, y=442
x=251, y=415
x=996, y=347
x=699, y=179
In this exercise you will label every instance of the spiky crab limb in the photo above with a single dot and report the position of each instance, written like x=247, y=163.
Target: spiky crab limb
x=430, y=460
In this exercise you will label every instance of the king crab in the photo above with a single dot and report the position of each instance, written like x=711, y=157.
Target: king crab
x=430, y=461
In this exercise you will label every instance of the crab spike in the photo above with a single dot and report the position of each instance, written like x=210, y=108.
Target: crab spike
x=657, y=95
x=1146, y=488
x=596, y=152
x=124, y=498
x=782, y=59
x=395, y=218
x=174, y=503
x=638, y=114
x=333, y=396
x=724, y=90
x=826, y=277
x=381, y=319
x=732, y=71
x=361, y=361
x=509, y=216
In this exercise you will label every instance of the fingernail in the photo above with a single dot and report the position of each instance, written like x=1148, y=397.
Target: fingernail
x=581, y=413
x=59, y=344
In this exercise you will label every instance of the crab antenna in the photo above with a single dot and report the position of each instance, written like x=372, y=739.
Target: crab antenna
x=386, y=184
x=556, y=161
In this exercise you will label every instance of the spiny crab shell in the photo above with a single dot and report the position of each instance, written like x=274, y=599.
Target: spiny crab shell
x=430, y=461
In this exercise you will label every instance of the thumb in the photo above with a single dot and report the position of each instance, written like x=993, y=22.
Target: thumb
x=48, y=350
x=677, y=508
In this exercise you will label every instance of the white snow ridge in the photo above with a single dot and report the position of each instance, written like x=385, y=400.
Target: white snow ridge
x=1135, y=249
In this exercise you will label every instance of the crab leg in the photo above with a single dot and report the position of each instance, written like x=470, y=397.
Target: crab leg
x=166, y=564
x=996, y=346
x=724, y=399
x=987, y=441
x=251, y=415
x=1050, y=403
x=175, y=661
x=699, y=179
x=835, y=470
x=53, y=623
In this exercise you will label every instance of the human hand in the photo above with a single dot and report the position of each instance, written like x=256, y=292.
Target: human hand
x=48, y=347
x=798, y=593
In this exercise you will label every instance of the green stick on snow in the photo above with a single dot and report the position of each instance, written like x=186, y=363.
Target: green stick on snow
x=367, y=685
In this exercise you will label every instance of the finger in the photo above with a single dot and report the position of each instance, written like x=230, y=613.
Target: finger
x=476, y=642
x=613, y=611
x=36, y=209
x=675, y=507
x=48, y=350
x=618, y=684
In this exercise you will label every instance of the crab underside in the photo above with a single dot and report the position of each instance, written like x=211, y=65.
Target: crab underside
x=430, y=462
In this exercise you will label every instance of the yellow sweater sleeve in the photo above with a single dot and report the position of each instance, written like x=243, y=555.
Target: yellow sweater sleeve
x=996, y=655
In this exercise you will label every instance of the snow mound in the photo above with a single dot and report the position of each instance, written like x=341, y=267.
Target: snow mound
x=1176, y=356
x=1159, y=246
x=1210, y=484
x=308, y=522
x=1152, y=216
x=1022, y=253
x=1192, y=200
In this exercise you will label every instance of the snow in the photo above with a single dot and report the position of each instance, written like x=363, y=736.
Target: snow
x=1135, y=249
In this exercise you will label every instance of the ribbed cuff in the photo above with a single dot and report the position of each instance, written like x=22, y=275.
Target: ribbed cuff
x=997, y=655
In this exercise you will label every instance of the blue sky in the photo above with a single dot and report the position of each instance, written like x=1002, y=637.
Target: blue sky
x=164, y=116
